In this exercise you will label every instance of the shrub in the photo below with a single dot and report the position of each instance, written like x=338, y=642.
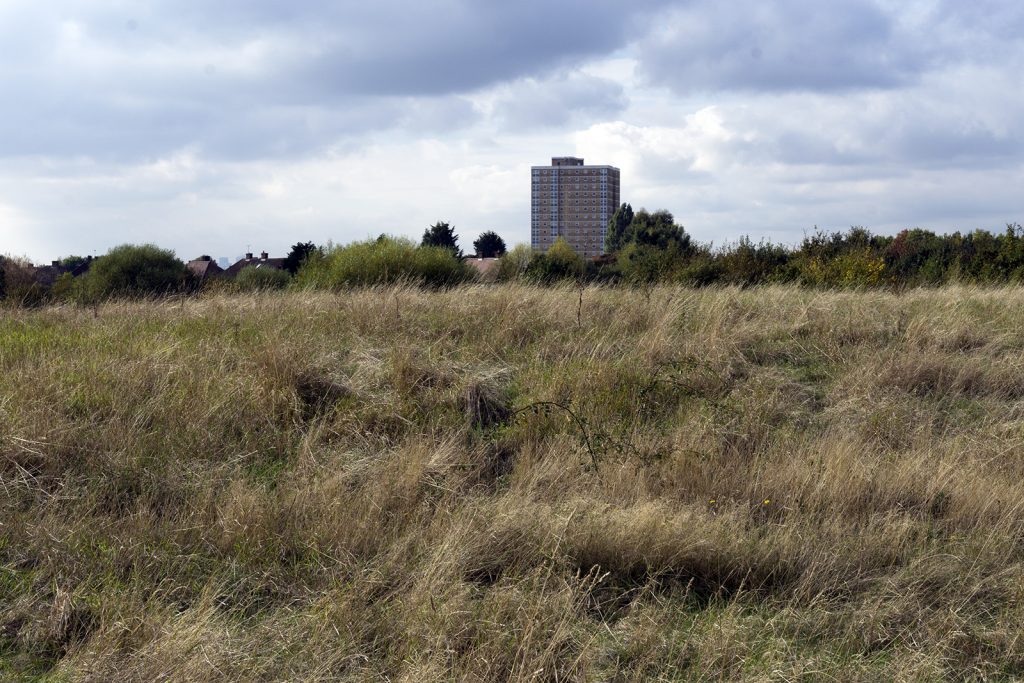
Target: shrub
x=645, y=263
x=559, y=262
x=132, y=271
x=513, y=264
x=748, y=263
x=855, y=269
x=701, y=271
x=253, y=279
x=63, y=288
x=382, y=261
x=19, y=286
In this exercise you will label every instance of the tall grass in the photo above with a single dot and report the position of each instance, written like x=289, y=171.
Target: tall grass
x=762, y=484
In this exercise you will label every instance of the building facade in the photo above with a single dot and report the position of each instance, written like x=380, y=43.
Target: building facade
x=574, y=202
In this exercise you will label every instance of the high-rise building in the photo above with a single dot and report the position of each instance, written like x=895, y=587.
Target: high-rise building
x=574, y=202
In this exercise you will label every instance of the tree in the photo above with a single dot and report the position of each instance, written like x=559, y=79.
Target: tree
x=618, y=229
x=441, y=234
x=658, y=230
x=297, y=256
x=134, y=270
x=489, y=245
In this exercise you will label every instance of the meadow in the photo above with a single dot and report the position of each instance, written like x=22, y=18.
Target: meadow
x=513, y=482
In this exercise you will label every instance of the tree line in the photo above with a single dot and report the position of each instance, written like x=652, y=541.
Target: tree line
x=642, y=248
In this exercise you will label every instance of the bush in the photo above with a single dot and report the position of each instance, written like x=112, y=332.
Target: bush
x=701, y=271
x=854, y=269
x=134, y=271
x=383, y=261
x=645, y=263
x=559, y=262
x=513, y=264
x=19, y=286
x=254, y=279
x=748, y=263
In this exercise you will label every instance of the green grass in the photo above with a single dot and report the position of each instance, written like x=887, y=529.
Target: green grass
x=400, y=484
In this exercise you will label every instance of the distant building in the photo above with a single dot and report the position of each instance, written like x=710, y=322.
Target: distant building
x=48, y=275
x=204, y=268
x=223, y=262
x=262, y=262
x=574, y=202
x=481, y=264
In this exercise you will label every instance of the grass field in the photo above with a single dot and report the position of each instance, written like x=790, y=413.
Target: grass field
x=515, y=483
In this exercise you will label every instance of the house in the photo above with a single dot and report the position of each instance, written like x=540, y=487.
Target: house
x=482, y=265
x=46, y=276
x=262, y=262
x=204, y=268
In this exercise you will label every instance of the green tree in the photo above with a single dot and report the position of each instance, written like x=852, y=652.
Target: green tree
x=297, y=256
x=489, y=245
x=442, y=235
x=134, y=270
x=658, y=230
x=618, y=229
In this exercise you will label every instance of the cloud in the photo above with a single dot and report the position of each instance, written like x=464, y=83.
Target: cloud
x=262, y=79
x=784, y=45
x=557, y=101
x=746, y=167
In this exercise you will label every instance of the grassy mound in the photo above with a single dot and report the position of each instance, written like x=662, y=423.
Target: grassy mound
x=399, y=484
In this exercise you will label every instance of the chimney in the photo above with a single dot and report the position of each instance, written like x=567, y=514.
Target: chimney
x=263, y=256
x=55, y=264
x=248, y=256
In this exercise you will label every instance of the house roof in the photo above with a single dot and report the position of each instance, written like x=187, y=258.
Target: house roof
x=272, y=263
x=482, y=265
x=83, y=267
x=204, y=267
x=47, y=275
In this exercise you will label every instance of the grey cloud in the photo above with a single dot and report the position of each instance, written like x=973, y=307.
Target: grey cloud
x=532, y=103
x=786, y=45
x=260, y=78
x=398, y=48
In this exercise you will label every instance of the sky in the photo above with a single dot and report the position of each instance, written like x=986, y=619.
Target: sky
x=221, y=126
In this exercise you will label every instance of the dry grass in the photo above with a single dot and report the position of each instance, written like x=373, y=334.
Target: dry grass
x=394, y=484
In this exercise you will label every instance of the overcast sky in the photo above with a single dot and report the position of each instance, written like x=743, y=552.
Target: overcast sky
x=213, y=126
